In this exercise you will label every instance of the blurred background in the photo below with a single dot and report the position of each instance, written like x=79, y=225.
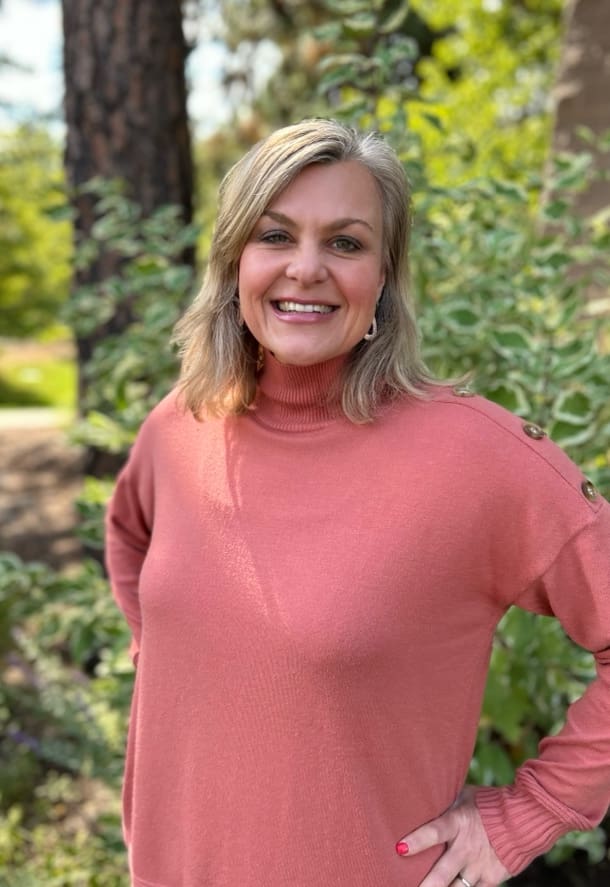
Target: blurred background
x=118, y=119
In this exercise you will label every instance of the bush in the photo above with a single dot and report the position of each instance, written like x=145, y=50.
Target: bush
x=63, y=713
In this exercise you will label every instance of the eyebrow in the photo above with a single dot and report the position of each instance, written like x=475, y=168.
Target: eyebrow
x=334, y=225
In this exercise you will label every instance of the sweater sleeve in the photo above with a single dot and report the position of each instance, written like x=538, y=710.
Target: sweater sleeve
x=129, y=521
x=568, y=786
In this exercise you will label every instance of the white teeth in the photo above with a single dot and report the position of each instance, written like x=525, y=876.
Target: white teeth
x=305, y=309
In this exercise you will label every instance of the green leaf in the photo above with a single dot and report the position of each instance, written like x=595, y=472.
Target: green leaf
x=395, y=20
x=401, y=48
x=342, y=60
x=573, y=407
x=569, y=310
x=559, y=259
x=329, y=32
x=354, y=107
x=461, y=317
x=491, y=765
x=511, y=396
x=434, y=121
x=510, y=190
x=102, y=431
x=61, y=213
x=360, y=25
x=511, y=340
x=575, y=172
x=573, y=358
x=552, y=257
x=569, y=434
x=347, y=7
x=555, y=209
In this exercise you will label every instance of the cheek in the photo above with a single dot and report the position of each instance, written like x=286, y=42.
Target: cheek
x=253, y=276
x=365, y=289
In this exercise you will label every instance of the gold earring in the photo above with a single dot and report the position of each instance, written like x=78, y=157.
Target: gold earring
x=260, y=358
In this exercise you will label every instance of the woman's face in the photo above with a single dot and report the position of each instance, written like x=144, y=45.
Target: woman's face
x=312, y=270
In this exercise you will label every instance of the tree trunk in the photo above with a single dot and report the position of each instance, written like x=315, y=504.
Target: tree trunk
x=582, y=99
x=125, y=109
x=125, y=100
x=583, y=86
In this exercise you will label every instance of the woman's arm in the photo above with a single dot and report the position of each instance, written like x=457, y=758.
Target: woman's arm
x=129, y=520
x=568, y=786
x=493, y=832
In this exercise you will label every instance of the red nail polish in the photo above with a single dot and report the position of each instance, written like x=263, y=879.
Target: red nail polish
x=402, y=849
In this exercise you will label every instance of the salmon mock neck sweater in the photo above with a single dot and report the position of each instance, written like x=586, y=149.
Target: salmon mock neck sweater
x=312, y=605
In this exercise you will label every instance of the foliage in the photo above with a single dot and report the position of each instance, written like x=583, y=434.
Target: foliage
x=213, y=157
x=477, y=74
x=535, y=673
x=66, y=682
x=49, y=852
x=40, y=381
x=276, y=38
x=131, y=371
x=502, y=294
x=34, y=246
x=485, y=98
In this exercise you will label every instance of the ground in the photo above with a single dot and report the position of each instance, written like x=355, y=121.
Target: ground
x=40, y=472
x=40, y=475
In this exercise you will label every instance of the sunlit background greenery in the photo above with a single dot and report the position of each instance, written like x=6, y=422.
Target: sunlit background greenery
x=480, y=102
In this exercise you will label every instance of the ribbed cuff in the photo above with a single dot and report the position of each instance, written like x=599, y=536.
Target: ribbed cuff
x=520, y=827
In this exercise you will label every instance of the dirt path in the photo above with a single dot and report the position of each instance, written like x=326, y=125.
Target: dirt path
x=39, y=479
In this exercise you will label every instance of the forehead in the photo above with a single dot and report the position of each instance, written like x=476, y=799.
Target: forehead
x=340, y=189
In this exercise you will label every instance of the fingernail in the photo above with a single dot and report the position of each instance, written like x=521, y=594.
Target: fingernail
x=402, y=849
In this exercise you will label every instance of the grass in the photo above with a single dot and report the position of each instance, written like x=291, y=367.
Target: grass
x=36, y=377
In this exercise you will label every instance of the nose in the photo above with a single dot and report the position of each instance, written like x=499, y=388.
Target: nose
x=306, y=265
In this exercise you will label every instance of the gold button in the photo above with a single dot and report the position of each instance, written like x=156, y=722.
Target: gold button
x=589, y=491
x=463, y=391
x=534, y=431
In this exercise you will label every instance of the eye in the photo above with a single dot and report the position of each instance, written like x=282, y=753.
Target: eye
x=274, y=237
x=346, y=244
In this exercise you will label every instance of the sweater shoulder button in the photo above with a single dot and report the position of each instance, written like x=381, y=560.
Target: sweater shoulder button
x=588, y=490
x=534, y=431
x=463, y=391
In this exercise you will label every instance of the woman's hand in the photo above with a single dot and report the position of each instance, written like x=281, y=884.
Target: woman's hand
x=468, y=852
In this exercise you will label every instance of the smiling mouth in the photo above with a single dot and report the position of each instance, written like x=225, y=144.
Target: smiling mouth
x=304, y=308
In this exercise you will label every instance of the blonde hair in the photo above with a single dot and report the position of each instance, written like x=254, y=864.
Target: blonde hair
x=219, y=354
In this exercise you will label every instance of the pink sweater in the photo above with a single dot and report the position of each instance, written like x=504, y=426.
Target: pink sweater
x=313, y=604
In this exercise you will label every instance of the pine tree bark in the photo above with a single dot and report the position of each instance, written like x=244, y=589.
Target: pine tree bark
x=125, y=98
x=583, y=86
x=125, y=110
x=126, y=116
x=581, y=100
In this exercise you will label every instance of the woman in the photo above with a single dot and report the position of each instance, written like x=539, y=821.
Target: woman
x=313, y=543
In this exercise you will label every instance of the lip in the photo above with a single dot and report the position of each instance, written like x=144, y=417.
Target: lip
x=301, y=316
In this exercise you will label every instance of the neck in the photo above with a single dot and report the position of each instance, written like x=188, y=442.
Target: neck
x=298, y=398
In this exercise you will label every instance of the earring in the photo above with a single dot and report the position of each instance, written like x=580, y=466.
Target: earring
x=373, y=330
x=260, y=358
